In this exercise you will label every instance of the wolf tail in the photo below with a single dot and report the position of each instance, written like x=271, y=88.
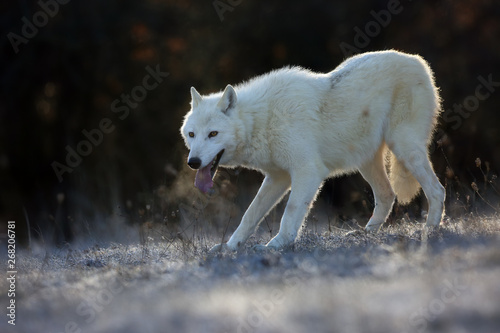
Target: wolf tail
x=402, y=181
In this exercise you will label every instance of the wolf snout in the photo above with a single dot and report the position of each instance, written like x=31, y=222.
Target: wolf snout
x=194, y=163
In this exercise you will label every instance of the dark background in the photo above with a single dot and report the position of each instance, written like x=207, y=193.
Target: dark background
x=86, y=54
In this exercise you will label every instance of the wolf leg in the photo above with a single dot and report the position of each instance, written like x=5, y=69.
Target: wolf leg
x=304, y=189
x=374, y=173
x=271, y=191
x=417, y=162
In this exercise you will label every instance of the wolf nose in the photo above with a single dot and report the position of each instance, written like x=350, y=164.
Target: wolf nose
x=194, y=163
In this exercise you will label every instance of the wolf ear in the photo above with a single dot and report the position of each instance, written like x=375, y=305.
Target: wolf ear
x=195, y=97
x=228, y=99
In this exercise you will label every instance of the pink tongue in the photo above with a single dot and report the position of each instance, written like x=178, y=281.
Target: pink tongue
x=203, y=179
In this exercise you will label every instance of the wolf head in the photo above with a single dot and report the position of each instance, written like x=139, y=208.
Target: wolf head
x=209, y=133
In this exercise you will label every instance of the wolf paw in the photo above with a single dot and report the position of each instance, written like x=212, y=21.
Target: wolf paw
x=433, y=230
x=373, y=227
x=273, y=246
x=259, y=248
x=356, y=233
x=219, y=249
x=280, y=243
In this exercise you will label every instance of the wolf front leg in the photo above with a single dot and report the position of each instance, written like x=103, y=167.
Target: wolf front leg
x=305, y=185
x=271, y=191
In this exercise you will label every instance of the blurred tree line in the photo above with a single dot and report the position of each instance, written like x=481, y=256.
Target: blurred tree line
x=93, y=94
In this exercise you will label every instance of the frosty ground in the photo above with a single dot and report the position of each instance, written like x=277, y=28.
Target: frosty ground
x=402, y=279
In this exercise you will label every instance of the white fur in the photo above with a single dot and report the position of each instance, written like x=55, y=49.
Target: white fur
x=299, y=128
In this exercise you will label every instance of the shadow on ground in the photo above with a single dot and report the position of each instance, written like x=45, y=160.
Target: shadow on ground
x=402, y=279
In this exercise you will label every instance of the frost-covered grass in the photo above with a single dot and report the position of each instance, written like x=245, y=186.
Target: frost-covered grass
x=399, y=280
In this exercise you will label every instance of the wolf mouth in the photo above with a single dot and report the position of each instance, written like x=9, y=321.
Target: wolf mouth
x=215, y=163
x=205, y=175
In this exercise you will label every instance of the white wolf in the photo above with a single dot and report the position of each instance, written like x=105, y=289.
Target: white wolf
x=299, y=128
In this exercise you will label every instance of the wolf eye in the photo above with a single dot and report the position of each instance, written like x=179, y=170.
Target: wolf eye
x=212, y=134
x=191, y=134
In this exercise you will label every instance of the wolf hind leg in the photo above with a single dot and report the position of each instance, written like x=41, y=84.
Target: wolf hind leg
x=374, y=173
x=416, y=160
